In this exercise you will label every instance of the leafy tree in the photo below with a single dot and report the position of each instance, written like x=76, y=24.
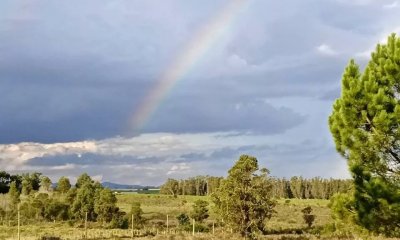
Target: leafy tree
x=136, y=212
x=105, y=205
x=307, y=216
x=45, y=183
x=244, y=198
x=170, y=187
x=63, y=185
x=366, y=130
x=30, y=182
x=34, y=179
x=13, y=194
x=26, y=186
x=84, y=202
x=71, y=195
x=5, y=180
x=200, y=211
x=83, y=179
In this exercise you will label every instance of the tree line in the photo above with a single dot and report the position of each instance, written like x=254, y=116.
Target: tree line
x=35, y=198
x=295, y=187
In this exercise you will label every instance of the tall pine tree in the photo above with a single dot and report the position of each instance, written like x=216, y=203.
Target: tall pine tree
x=365, y=124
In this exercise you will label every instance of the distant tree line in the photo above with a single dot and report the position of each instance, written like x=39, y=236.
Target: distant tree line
x=295, y=187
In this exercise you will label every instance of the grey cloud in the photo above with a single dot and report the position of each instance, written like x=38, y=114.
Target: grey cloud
x=91, y=159
x=76, y=70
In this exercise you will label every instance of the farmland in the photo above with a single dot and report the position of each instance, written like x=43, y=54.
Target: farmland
x=286, y=222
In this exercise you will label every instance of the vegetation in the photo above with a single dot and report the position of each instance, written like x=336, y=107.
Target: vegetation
x=365, y=126
x=200, y=211
x=307, y=216
x=244, y=199
x=295, y=187
x=136, y=212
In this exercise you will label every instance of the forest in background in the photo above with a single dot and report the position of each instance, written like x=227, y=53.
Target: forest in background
x=295, y=187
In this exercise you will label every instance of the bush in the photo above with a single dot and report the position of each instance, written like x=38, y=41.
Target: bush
x=183, y=219
x=307, y=216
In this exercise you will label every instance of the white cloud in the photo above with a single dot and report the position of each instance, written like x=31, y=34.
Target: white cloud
x=179, y=168
x=325, y=49
x=164, y=145
x=392, y=5
x=17, y=154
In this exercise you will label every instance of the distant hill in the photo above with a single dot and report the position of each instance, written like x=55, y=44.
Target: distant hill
x=125, y=186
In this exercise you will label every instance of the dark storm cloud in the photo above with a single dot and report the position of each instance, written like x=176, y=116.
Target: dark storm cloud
x=209, y=115
x=78, y=70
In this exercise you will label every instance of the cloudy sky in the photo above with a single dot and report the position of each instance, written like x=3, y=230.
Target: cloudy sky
x=139, y=91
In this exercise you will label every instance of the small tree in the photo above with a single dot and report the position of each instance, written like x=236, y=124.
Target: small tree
x=84, y=202
x=200, y=211
x=13, y=194
x=136, y=212
x=105, y=205
x=63, y=185
x=307, y=216
x=244, y=198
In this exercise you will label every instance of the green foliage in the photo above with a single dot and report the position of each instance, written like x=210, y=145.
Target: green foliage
x=307, y=216
x=183, y=219
x=63, y=185
x=365, y=126
x=45, y=183
x=342, y=207
x=26, y=187
x=84, y=202
x=105, y=205
x=119, y=220
x=56, y=210
x=295, y=187
x=83, y=179
x=136, y=215
x=5, y=180
x=13, y=195
x=244, y=197
x=171, y=186
x=30, y=182
x=200, y=211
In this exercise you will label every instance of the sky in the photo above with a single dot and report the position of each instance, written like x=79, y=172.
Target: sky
x=136, y=92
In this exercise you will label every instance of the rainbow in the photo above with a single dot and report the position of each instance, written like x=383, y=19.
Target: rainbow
x=195, y=49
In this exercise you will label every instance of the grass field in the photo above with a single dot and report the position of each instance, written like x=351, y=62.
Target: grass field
x=283, y=225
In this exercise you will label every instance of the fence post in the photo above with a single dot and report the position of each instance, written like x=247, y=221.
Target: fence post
x=167, y=224
x=86, y=215
x=19, y=222
x=132, y=226
x=194, y=228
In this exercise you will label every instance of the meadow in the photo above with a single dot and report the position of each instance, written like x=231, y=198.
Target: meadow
x=286, y=222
